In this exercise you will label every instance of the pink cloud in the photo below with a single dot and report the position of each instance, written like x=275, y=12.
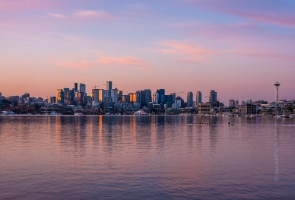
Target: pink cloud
x=56, y=15
x=125, y=61
x=94, y=14
x=185, y=52
x=107, y=60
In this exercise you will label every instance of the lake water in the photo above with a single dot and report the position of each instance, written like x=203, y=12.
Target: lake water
x=146, y=157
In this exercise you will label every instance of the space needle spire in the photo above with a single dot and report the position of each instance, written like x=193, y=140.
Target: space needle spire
x=277, y=91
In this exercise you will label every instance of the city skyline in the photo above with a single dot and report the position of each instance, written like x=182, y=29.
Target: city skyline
x=79, y=95
x=239, y=50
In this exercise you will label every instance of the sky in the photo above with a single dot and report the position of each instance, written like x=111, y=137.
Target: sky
x=237, y=48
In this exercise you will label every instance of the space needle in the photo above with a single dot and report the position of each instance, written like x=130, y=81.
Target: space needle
x=277, y=91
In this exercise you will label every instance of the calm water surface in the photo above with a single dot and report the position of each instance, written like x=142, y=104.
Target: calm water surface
x=146, y=157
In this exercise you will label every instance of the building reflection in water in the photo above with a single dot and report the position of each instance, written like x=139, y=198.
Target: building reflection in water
x=276, y=152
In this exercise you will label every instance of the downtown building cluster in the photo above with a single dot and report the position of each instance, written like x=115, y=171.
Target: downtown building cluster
x=113, y=101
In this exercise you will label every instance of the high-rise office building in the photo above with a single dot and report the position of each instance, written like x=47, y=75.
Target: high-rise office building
x=60, y=96
x=213, y=96
x=190, y=99
x=95, y=95
x=101, y=95
x=120, y=94
x=82, y=88
x=161, y=93
x=0, y=95
x=114, y=95
x=76, y=86
x=156, y=97
x=198, y=97
x=109, y=85
x=147, y=96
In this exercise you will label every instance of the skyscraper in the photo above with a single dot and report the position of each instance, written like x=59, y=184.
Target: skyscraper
x=114, y=95
x=76, y=86
x=156, y=97
x=95, y=95
x=161, y=93
x=147, y=96
x=189, y=99
x=101, y=94
x=213, y=96
x=109, y=85
x=120, y=94
x=60, y=96
x=199, y=97
x=82, y=87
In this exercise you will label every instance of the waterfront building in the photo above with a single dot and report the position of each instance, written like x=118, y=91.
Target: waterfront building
x=213, y=96
x=204, y=108
x=232, y=103
x=198, y=97
x=249, y=109
x=82, y=87
x=189, y=99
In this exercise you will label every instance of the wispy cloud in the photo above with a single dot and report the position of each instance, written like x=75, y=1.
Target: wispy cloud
x=100, y=14
x=185, y=52
x=101, y=60
x=56, y=15
x=126, y=61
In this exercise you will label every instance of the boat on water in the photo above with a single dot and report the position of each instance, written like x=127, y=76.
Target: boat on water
x=140, y=112
x=292, y=116
x=252, y=115
x=78, y=114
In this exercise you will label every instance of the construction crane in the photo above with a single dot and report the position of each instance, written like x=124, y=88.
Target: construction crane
x=178, y=93
x=96, y=86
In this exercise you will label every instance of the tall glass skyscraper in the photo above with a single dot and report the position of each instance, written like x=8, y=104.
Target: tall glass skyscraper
x=189, y=99
x=109, y=85
x=199, y=97
x=82, y=87
x=213, y=96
